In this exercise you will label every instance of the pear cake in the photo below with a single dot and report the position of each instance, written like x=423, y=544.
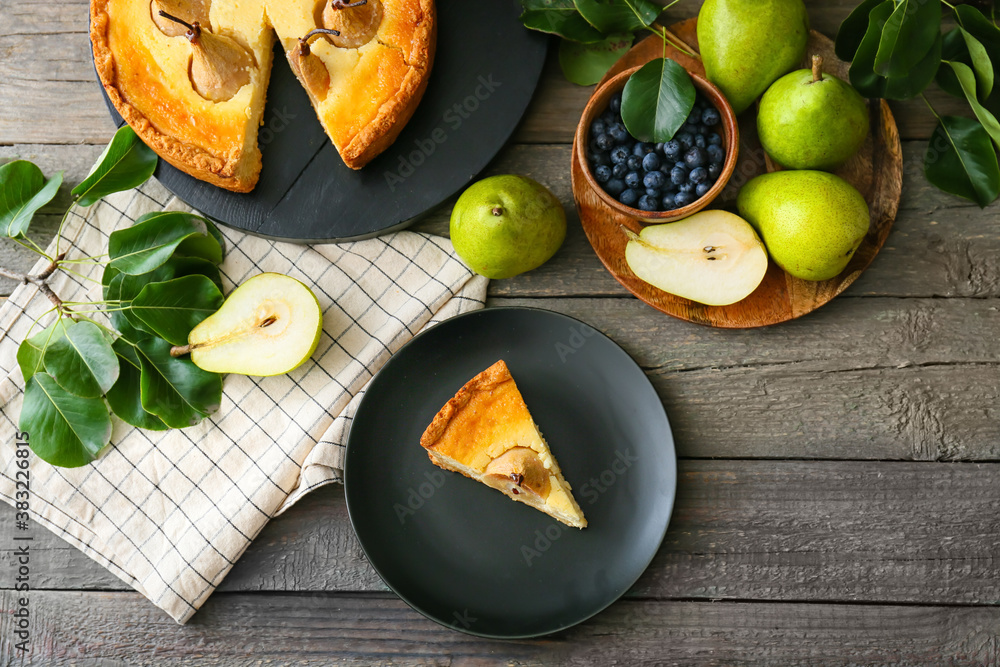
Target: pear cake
x=190, y=76
x=486, y=432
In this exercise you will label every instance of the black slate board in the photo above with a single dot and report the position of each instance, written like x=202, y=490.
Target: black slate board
x=485, y=71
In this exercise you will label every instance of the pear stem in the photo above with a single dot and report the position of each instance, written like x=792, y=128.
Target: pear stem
x=817, y=68
x=194, y=29
x=180, y=350
x=340, y=4
x=304, y=41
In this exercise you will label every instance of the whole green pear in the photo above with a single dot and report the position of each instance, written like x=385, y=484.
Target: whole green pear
x=811, y=120
x=747, y=44
x=505, y=225
x=810, y=221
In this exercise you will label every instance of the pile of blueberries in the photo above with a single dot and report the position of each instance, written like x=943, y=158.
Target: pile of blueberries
x=657, y=177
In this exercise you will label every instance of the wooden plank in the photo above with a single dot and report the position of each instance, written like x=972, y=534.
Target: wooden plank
x=117, y=628
x=49, y=93
x=939, y=246
x=874, y=532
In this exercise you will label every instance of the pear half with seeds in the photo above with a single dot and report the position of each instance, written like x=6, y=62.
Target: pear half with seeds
x=712, y=257
x=269, y=325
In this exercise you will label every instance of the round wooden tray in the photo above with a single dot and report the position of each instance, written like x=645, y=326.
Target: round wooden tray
x=876, y=171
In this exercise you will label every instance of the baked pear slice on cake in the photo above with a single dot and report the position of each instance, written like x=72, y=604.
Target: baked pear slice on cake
x=364, y=63
x=486, y=432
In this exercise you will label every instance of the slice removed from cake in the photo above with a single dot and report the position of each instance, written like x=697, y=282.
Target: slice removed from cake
x=486, y=432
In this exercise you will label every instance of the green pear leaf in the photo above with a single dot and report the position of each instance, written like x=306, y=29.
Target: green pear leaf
x=657, y=100
x=152, y=240
x=125, y=397
x=32, y=350
x=853, y=29
x=174, y=389
x=586, y=64
x=558, y=17
x=908, y=34
x=869, y=83
x=193, y=266
x=981, y=63
x=211, y=248
x=81, y=360
x=610, y=16
x=960, y=159
x=23, y=190
x=967, y=79
x=171, y=309
x=66, y=430
x=127, y=324
x=125, y=163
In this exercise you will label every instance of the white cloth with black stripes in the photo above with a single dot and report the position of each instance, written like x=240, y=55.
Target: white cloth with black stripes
x=170, y=512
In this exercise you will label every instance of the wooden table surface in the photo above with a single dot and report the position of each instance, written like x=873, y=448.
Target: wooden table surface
x=839, y=475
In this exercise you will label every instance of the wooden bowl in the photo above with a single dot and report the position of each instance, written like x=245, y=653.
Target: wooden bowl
x=876, y=171
x=730, y=141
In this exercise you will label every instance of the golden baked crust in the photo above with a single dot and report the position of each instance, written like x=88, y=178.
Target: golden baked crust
x=217, y=142
x=486, y=432
x=375, y=88
x=226, y=156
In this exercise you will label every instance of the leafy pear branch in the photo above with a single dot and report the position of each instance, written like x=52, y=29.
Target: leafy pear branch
x=160, y=279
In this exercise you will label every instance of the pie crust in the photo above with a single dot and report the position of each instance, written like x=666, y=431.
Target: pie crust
x=486, y=432
x=374, y=89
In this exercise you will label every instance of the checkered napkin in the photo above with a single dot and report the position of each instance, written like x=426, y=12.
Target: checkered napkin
x=170, y=512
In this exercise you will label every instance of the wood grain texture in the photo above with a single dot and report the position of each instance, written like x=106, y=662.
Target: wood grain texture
x=939, y=245
x=874, y=532
x=48, y=70
x=111, y=629
x=875, y=170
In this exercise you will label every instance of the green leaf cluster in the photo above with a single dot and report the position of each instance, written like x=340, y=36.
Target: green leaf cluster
x=595, y=33
x=897, y=50
x=161, y=279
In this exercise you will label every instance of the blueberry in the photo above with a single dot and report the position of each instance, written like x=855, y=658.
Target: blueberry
x=619, y=170
x=619, y=154
x=614, y=187
x=658, y=148
x=655, y=179
x=618, y=133
x=632, y=179
x=698, y=175
x=668, y=202
x=616, y=103
x=602, y=173
x=651, y=162
x=702, y=189
x=629, y=197
x=695, y=116
x=672, y=149
x=699, y=141
x=715, y=153
x=714, y=170
x=695, y=157
x=608, y=117
x=710, y=116
x=647, y=203
x=634, y=163
x=604, y=142
x=678, y=175
x=598, y=127
x=638, y=150
x=690, y=128
x=598, y=157
x=686, y=187
x=654, y=192
x=715, y=139
x=683, y=199
x=686, y=140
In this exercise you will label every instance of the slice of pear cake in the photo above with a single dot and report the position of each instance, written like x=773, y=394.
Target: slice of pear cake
x=486, y=432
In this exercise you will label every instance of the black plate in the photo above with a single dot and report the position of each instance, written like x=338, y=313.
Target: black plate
x=463, y=554
x=485, y=71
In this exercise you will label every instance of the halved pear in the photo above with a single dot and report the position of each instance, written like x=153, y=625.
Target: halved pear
x=269, y=325
x=712, y=257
